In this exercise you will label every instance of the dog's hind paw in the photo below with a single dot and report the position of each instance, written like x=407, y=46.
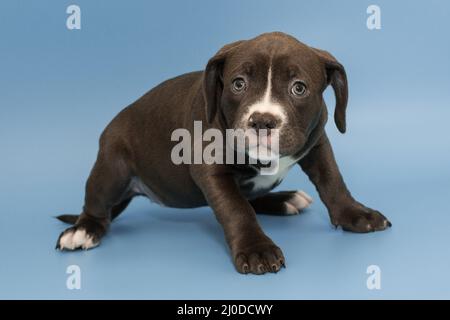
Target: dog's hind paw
x=77, y=238
x=297, y=202
x=284, y=203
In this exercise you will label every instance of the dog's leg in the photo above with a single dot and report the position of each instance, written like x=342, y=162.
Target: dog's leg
x=281, y=203
x=116, y=210
x=252, y=250
x=320, y=165
x=106, y=195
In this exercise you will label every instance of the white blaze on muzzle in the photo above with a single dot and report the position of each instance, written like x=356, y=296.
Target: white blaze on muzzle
x=266, y=105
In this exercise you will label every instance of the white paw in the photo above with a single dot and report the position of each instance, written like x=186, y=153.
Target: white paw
x=299, y=201
x=76, y=238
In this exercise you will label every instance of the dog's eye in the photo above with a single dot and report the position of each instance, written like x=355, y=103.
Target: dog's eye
x=298, y=89
x=239, y=85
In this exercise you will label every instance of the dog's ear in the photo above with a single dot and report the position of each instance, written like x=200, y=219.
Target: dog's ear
x=336, y=76
x=213, y=79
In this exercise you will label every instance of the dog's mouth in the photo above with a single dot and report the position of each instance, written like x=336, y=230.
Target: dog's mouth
x=258, y=145
x=260, y=141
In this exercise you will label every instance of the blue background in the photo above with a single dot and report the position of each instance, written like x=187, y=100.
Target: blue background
x=59, y=89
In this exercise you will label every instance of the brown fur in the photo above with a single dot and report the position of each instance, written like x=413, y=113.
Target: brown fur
x=137, y=144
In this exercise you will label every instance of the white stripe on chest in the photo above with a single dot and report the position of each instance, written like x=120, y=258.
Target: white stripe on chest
x=263, y=183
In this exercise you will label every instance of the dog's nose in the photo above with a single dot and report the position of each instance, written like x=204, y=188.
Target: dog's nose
x=264, y=120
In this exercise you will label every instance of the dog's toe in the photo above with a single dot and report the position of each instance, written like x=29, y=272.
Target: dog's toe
x=76, y=238
x=362, y=220
x=297, y=202
x=260, y=259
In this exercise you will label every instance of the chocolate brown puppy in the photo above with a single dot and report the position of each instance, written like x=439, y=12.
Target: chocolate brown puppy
x=272, y=81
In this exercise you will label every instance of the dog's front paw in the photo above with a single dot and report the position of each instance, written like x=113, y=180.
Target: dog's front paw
x=358, y=218
x=259, y=257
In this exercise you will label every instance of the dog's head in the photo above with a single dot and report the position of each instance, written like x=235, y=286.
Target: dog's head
x=274, y=82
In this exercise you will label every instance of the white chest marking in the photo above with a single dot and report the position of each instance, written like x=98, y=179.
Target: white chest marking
x=266, y=182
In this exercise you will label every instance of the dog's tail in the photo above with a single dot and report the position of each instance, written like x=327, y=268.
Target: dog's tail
x=68, y=218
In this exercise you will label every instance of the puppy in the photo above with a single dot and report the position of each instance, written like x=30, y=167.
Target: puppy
x=270, y=82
